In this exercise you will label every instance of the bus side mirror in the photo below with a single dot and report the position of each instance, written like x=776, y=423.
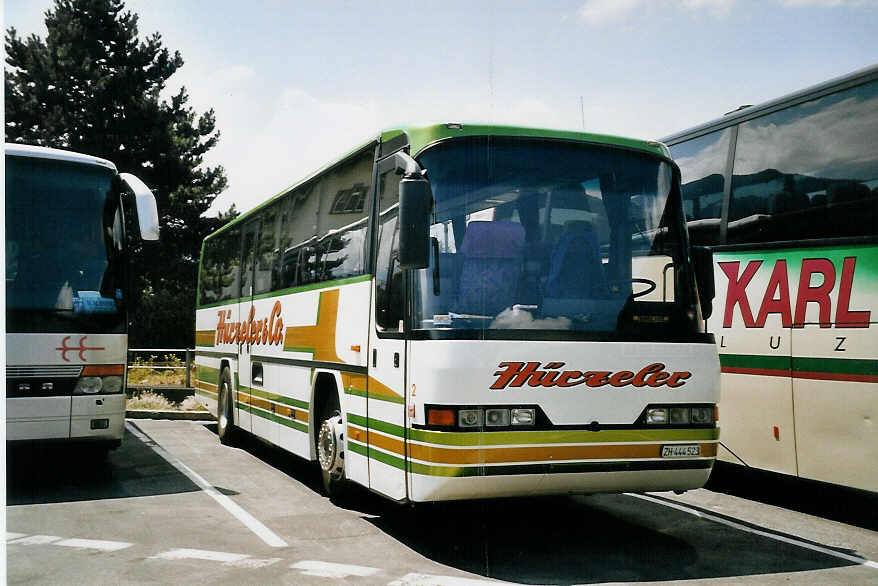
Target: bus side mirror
x=702, y=258
x=415, y=205
x=147, y=212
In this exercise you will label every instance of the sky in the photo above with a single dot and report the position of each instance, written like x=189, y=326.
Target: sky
x=297, y=84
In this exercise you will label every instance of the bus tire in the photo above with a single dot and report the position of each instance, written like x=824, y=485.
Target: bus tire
x=225, y=421
x=330, y=451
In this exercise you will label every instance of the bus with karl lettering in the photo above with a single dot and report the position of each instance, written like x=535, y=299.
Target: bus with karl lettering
x=67, y=294
x=460, y=311
x=786, y=195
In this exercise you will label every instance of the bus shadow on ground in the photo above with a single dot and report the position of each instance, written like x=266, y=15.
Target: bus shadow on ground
x=39, y=473
x=829, y=501
x=601, y=538
x=303, y=471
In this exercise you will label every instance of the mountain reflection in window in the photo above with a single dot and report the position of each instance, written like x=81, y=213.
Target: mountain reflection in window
x=349, y=201
x=809, y=171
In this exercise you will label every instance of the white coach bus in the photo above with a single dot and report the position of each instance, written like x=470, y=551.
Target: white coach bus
x=462, y=311
x=786, y=195
x=66, y=294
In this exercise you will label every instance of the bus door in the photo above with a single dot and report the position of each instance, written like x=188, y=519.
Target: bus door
x=386, y=389
x=754, y=345
x=243, y=379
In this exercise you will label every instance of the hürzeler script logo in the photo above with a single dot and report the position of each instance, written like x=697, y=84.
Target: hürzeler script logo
x=268, y=330
x=534, y=374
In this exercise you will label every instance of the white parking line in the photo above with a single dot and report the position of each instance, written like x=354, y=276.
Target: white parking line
x=768, y=534
x=35, y=540
x=11, y=536
x=200, y=554
x=430, y=580
x=331, y=570
x=94, y=544
x=263, y=532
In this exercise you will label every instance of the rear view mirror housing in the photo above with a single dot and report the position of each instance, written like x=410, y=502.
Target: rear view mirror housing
x=415, y=207
x=147, y=211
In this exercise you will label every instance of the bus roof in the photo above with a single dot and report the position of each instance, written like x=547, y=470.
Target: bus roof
x=26, y=150
x=422, y=136
x=745, y=113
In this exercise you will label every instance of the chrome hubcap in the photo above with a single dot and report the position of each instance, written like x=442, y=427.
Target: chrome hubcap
x=329, y=447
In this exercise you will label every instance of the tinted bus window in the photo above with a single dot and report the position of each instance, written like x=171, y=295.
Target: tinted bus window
x=702, y=164
x=219, y=269
x=809, y=171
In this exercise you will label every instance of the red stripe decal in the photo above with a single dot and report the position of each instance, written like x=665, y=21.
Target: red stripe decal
x=761, y=371
x=860, y=378
x=837, y=376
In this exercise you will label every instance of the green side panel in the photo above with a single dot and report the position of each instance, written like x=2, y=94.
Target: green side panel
x=207, y=394
x=206, y=374
x=377, y=425
x=754, y=361
x=836, y=365
x=278, y=419
x=276, y=398
x=388, y=459
x=358, y=393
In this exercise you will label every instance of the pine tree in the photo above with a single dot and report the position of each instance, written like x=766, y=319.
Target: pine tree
x=94, y=87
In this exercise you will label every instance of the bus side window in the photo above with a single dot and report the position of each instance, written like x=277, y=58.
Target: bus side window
x=702, y=164
x=388, y=275
x=808, y=171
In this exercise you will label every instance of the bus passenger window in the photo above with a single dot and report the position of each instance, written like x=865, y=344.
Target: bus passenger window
x=809, y=171
x=702, y=164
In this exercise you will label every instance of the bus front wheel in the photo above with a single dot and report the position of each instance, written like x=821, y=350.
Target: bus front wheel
x=330, y=452
x=225, y=425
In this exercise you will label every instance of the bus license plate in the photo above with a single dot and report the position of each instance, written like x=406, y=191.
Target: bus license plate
x=681, y=451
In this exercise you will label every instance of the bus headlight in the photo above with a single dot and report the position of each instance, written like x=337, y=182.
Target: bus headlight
x=484, y=418
x=496, y=417
x=657, y=415
x=679, y=415
x=523, y=417
x=469, y=418
x=702, y=415
x=106, y=379
x=112, y=384
x=88, y=385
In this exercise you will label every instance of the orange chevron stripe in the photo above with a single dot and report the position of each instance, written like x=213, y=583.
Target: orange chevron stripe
x=318, y=339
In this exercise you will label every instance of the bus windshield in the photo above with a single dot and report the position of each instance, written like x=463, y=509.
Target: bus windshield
x=64, y=244
x=553, y=236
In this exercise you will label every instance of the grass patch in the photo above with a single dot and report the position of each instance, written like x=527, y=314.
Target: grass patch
x=168, y=370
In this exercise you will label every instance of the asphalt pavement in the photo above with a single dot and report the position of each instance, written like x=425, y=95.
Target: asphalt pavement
x=172, y=505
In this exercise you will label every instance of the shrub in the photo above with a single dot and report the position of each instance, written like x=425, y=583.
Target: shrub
x=149, y=401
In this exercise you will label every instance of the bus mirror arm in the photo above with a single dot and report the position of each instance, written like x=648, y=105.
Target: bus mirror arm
x=147, y=211
x=702, y=259
x=406, y=165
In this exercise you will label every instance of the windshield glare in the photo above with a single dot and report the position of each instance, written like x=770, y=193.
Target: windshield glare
x=551, y=236
x=64, y=237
